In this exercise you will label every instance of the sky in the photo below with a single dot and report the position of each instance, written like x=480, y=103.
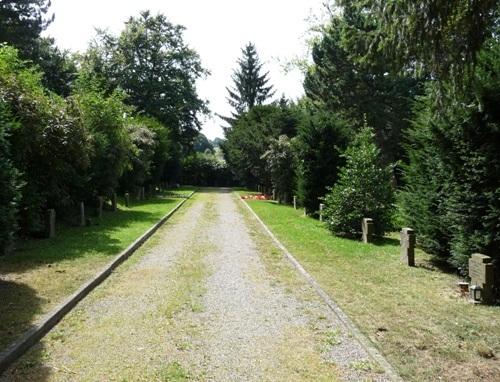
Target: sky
x=216, y=29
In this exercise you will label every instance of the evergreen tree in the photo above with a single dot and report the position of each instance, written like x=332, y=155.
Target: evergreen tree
x=452, y=192
x=363, y=189
x=22, y=22
x=250, y=85
x=321, y=137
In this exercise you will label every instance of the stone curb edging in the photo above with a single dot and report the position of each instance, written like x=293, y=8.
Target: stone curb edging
x=360, y=337
x=32, y=336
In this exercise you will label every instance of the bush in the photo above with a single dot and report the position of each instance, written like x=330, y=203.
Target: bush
x=452, y=192
x=9, y=183
x=50, y=146
x=321, y=137
x=280, y=164
x=364, y=189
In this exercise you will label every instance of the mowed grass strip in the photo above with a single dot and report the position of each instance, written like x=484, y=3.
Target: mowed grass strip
x=41, y=273
x=415, y=316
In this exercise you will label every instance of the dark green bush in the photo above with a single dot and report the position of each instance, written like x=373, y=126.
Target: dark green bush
x=321, y=138
x=9, y=183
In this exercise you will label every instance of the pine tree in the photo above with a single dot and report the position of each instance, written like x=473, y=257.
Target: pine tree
x=250, y=85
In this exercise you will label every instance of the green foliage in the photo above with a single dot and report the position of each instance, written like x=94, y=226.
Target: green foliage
x=58, y=68
x=9, y=183
x=22, y=22
x=202, y=144
x=206, y=169
x=50, y=147
x=280, y=164
x=452, y=190
x=249, y=137
x=250, y=86
x=343, y=84
x=363, y=189
x=442, y=36
x=150, y=61
x=103, y=117
x=320, y=140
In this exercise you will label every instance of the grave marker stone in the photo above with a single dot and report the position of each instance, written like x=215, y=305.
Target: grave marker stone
x=368, y=230
x=51, y=223
x=82, y=215
x=408, y=241
x=481, y=273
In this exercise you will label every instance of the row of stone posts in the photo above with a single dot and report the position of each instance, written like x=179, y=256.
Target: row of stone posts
x=83, y=221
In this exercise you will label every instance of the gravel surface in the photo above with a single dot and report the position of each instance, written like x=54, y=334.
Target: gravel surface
x=242, y=323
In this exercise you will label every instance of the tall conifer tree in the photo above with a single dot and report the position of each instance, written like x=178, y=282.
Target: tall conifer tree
x=250, y=87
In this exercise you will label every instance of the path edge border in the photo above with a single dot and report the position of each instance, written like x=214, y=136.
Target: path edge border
x=343, y=317
x=35, y=334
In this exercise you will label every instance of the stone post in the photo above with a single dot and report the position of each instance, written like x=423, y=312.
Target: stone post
x=127, y=199
x=51, y=223
x=82, y=214
x=368, y=229
x=101, y=204
x=274, y=194
x=114, y=203
x=321, y=207
x=408, y=241
x=143, y=193
x=139, y=194
x=481, y=273
x=294, y=202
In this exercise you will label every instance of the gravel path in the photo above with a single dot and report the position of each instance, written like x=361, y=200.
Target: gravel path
x=201, y=303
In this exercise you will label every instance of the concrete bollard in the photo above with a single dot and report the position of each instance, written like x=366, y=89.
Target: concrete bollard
x=294, y=202
x=127, y=199
x=83, y=222
x=51, y=223
x=114, y=202
x=368, y=230
x=321, y=208
x=408, y=241
x=100, y=207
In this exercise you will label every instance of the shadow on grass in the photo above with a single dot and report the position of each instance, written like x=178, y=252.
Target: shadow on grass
x=20, y=304
x=73, y=242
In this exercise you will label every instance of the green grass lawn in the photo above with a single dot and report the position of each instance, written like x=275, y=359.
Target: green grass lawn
x=41, y=273
x=415, y=316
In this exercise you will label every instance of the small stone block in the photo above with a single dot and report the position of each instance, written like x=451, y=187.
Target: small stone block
x=51, y=223
x=368, y=229
x=82, y=215
x=481, y=273
x=408, y=241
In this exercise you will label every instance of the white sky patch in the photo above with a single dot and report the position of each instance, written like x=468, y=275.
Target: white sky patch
x=216, y=29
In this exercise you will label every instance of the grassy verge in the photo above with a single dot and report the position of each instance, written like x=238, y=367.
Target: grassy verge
x=43, y=272
x=415, y=316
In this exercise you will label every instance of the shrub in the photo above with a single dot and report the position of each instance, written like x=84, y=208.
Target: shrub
x=321, y=137
x=364, y=189
x=9, y=183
